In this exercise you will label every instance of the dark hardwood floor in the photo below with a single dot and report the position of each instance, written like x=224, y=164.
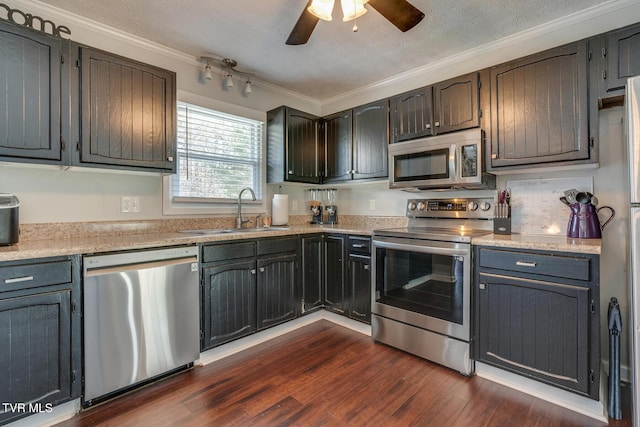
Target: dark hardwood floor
x=324, y=374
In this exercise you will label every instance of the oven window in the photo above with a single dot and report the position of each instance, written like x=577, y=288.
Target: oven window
x=421, y=166
x=423, y=283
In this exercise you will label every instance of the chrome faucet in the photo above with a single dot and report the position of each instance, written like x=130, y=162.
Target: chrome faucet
x=239, y=220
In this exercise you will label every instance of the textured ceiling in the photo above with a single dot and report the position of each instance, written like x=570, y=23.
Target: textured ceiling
x=335, y=59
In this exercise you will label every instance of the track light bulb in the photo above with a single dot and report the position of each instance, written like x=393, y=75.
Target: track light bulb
x=228, y=81
x=208, y=74
x=247, y=87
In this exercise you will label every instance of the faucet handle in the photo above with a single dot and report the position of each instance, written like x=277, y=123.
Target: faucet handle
x=258, y=221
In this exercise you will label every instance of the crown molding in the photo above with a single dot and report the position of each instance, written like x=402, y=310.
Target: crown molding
x=616, y=14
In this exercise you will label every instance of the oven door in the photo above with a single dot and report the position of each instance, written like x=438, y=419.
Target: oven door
x=423, y=283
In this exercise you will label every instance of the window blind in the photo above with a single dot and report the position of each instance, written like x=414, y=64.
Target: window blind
x=218, y=155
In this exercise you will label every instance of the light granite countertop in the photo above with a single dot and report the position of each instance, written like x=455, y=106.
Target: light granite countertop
x=131, y=240
x=96, y=244
x=540, y=242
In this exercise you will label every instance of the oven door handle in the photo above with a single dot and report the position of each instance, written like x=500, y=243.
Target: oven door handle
x=461, y=251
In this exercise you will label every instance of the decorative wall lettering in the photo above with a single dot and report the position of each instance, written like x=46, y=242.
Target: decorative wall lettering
x=28, y=20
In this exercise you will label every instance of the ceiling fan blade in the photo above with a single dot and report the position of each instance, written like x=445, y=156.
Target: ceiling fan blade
x=400, y=13
x=303, y=28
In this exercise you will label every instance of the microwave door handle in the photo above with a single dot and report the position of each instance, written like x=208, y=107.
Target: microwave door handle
x=452, y=162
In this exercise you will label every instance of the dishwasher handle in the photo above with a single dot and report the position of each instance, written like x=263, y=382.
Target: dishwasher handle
x=100, y=271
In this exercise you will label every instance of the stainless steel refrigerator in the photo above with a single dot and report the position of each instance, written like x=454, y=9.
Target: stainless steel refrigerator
x=632, y=101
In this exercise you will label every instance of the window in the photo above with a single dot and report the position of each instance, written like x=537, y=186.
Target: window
x=218, y=155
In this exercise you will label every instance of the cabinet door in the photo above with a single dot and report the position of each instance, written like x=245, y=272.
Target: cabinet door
x=311, y=273
x=360, y=285
x=30, y=73
x=128, y=113
x=539, y=108
x=623, y=56
x=536, y=328
x=35, y=337
x=411, y=115
x=303, y=148
x=335, y=296
x=456, y=104
x=276, y=290
x=229, y=302
x=370, y=140
x=338, y=143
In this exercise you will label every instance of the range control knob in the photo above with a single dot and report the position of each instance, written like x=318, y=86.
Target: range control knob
x=472, y=206
x=485, y=206
x=411, y=206
x=421, y=206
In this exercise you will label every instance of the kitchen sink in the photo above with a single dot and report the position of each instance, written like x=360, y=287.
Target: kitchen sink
x=214, y=231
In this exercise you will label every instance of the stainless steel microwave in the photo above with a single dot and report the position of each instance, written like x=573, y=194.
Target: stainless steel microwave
x=451, y=161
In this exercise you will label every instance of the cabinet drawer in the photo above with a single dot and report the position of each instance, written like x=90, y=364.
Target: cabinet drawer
x=359, y=244
x=213, y=253
x=564, y=266
x=25, y=276
x=274, y=245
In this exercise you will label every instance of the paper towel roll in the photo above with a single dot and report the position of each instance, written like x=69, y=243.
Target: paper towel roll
x=280, y=209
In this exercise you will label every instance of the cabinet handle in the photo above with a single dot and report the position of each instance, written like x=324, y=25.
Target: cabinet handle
x=290, y=172
x=437, y=124
x=525, y=264
x=261, y=269
x=19, y=279
x=253, y=271
x=358, y=314
x=482, y=286
x=428, y=126
x=170, y=159
x=356, y=245
x=338, y=310
x=366, y=267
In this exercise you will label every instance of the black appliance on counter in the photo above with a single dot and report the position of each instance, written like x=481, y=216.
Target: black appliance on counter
x=9, y=220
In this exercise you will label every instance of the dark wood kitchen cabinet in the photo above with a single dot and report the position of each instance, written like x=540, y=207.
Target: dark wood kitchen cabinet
x=444, y=107
x=355, y=143
x=338, y=142
x=370, y=140
x=540, y=109
x=537, y=315
x=335, y=291
x=127, y=113
x=40, y=336
x=621, y=57
x=359, y=278
x=312, y=266
x=294, y=151
x=31, y=101
x=228, y=302
x=277, y=279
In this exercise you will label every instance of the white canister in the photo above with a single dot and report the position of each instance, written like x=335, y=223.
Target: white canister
x=280, y=209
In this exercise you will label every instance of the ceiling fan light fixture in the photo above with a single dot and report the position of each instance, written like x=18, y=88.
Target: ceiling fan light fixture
x=352, y=9
x=322, y=9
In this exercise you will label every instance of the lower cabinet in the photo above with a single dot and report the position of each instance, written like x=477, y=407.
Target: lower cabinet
x=537, y=314
x=247, y=286
x=359, y=278
x=335, y=291
x=276, y=290
x=40, y=335
x=312, y=262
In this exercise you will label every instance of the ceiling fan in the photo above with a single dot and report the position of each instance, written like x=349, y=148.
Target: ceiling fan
x=400, y=13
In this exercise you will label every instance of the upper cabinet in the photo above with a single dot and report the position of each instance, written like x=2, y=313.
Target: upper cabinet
x=30, y=95
x=621, y=55
x=448, y=106
x=293, y=147
x=540, y=109
x=370, y=140
x=356, y=143
x=127, y=112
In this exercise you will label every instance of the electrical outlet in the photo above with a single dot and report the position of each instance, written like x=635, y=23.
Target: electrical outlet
x=294, y=205
x=129, y=204
x=372, y=205
x=135, y=204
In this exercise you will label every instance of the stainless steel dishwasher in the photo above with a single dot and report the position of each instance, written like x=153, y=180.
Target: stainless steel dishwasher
x=141, y=317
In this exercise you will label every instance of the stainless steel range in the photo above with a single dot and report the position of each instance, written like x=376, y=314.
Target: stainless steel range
x=421, y=299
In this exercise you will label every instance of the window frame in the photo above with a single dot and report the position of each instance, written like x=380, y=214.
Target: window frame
x=222, y=207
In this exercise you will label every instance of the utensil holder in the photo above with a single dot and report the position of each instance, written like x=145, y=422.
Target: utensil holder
x=502, y=225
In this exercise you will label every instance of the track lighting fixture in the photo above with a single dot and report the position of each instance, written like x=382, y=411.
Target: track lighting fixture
x=228, y=68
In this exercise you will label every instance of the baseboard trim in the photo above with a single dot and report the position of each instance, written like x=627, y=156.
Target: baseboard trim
x=583, y=405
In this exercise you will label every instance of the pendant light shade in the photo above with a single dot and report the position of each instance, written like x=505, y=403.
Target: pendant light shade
x=322, y=9
x=247, y=87
x=352, y=9
x=228, y=81
x=208, y=74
